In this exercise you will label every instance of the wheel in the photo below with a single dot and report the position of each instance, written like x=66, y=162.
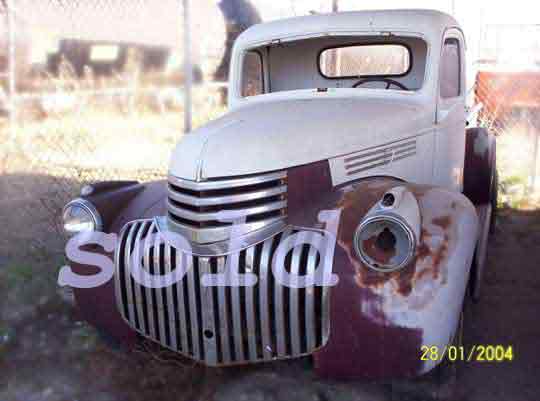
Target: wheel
x=479, y=166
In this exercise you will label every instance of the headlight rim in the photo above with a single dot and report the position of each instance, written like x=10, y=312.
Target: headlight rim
x=87, y=206
x=400, y=222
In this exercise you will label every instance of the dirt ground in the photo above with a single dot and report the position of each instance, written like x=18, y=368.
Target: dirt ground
x=508, y=313
x=47, y=354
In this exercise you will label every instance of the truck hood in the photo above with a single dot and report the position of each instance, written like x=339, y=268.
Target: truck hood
x=275, y=135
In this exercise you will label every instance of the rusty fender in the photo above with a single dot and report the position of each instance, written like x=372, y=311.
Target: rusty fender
x=380, y=320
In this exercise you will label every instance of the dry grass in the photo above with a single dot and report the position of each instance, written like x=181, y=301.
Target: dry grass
x=66, y=139
x=515, y=163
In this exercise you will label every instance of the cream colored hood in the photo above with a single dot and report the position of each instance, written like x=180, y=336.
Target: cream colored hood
x=276, y=135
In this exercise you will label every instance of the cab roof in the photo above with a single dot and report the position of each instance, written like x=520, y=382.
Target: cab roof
x=429, y=23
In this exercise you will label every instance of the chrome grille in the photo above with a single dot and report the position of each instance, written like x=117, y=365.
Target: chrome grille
x=194, y=208
x=222, y=325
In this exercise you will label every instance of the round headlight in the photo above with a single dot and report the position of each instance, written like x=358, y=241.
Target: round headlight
x=384, y=242
x=80, y=215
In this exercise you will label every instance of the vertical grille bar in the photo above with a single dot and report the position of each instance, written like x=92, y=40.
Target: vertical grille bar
x=311, y=336
x=149, y=290
x=138, y=295
x=237, y=314
x=223, y=316
x=264, y=305
x=193, y=312
x=325, y=311
x=294, y=322
x=182, y=258
x=127, y=266
x=158, y=292
x=209, y=331
x=279, y=308
x=250, y=306
x=172, y=317
x=118, y=281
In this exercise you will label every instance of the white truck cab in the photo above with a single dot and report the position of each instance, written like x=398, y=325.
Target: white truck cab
x=327, y=86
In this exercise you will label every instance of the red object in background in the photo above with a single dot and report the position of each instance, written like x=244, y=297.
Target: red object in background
x=500, y=92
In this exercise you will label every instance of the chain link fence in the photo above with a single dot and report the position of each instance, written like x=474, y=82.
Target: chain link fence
x=511, y=110
x=92, y=91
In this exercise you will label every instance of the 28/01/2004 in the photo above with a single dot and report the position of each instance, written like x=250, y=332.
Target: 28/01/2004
x=475, y=353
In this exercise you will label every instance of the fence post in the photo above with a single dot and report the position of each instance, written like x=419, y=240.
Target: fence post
x=188, y=69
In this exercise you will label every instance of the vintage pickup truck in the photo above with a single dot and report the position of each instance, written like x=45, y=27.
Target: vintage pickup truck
x=351, y=126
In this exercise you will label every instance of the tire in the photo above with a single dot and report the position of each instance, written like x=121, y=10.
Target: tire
x=479, y=167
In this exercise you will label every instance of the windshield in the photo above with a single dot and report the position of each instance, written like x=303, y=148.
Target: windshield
x=363, y=62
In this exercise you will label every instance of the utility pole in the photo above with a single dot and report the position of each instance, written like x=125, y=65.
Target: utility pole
x=188, y=68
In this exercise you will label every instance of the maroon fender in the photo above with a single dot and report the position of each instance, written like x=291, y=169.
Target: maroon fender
x=379, y=321
x=118, y=203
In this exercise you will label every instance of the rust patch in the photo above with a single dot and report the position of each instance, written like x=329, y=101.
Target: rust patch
x=443, y=222
x=432, y=248
x=438, y=257
x=374, y=251
x=422, y=250
x=438, y=254
x=365, y=277
x=355, y=204
x=404, y=279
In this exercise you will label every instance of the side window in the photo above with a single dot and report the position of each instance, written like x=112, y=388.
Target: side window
x=451, y=69
x=252, y=74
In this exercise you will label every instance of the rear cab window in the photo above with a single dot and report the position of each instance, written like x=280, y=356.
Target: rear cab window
x=365, y=60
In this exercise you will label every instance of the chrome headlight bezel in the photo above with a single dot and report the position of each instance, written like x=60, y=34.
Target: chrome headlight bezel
x=89, y=208
x=397, y=223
